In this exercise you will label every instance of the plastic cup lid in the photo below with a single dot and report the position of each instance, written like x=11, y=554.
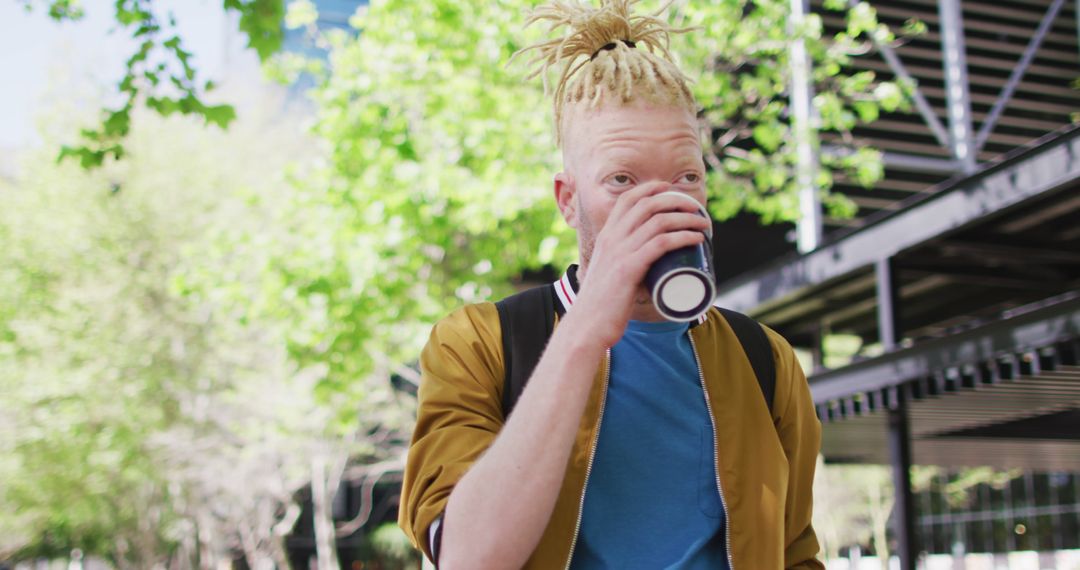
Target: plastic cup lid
x=683, y=292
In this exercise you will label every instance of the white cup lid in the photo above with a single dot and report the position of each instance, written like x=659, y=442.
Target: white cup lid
x=683, y=292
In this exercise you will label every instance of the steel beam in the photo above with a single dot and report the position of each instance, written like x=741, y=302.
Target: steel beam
x=900, y=458
x=916, y=163
x=1036, y=329
x=888, y=323
x=901, y=72
x=1017, y=74
x=1047, y=168
x=903, y=161
x=957, y=95
x=810, y=225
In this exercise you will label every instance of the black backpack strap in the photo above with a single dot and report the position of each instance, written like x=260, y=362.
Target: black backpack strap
x=527, y=320
x=758, y=350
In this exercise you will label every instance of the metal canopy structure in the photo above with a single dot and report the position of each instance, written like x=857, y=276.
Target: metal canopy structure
x=1007, y=235
x=961, y=273
x=1006, y=394
x=1010, y=63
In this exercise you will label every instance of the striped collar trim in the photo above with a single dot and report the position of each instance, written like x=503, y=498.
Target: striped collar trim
x=566, y=289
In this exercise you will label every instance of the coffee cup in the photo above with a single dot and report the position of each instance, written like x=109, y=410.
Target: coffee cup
x=683, y=281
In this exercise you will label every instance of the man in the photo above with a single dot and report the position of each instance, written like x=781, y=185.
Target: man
x=637, y=442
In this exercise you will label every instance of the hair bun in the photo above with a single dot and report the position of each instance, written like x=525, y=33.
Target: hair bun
x=590, y=31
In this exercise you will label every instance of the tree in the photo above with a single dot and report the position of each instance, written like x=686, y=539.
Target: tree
x=434, y=190
x=152, y=411
x=742, y=52
x=848, y=503
x=853, y=504
x=159, y=74
x=437, y=188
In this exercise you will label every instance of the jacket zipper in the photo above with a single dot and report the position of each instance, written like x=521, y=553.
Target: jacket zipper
x=716, y=456
x=592, y=455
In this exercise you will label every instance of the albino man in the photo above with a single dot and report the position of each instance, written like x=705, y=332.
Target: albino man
x=637, y=442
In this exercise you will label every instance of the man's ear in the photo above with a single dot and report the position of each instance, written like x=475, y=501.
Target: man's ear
x=565, y=189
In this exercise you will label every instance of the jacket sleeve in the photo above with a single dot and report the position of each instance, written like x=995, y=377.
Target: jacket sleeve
x=800, y=435
x=458, y=417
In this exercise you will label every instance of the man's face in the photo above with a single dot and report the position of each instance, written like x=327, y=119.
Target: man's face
x=611, y=149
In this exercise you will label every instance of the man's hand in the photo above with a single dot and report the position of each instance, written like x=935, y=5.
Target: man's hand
x=641, y=228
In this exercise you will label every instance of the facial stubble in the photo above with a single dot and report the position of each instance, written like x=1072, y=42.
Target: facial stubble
x=587, y=243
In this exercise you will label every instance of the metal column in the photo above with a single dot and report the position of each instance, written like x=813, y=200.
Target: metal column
x=809, y=228
x=961, y=137
x=900, y=457
x=888, y=320
x=890, y=332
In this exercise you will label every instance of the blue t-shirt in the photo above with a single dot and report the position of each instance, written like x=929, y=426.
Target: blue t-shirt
x=651, y=500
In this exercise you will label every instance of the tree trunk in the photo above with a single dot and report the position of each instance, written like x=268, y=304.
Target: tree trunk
x=281, y=557
x=249, y=546
x=280, y=531
x=325, y=540
x=881, y=508
x=207, y=557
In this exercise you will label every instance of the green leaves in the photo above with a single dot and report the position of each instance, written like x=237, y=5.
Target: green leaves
x=58, y=10
x=220, y=115
x=746, y=89
x=862, y=18
x=261, y=21
x=768, y=135
x=437, y=189
x=161, y=73
x=300, y=14
x=426, y=57
x=144, y=373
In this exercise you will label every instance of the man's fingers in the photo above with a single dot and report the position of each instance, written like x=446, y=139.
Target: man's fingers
x=631, y=197
x=650, y=206
x=666, y=222
x=668, y=241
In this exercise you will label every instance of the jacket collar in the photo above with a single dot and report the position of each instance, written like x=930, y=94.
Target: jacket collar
x=566, y=290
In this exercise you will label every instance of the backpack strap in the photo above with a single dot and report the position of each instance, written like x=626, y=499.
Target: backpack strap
x=527, y=320
x=758, y=350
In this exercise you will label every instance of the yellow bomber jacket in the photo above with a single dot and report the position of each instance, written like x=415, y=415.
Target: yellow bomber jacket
x=765, y=461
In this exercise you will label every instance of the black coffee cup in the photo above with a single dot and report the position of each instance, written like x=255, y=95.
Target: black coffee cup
x=683, y=281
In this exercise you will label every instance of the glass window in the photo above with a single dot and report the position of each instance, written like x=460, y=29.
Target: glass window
x=978, y=539
x=1018, y=492
x=1043, y=496
x=1069, y=530
x=997, y=498
x=1002, y=540
x=944, y=539
x=1062, y=484
x=1044, y=532
x=937, y=496
x=924, y=534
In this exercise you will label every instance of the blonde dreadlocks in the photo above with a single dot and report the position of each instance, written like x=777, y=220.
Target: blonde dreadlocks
x=617, y=53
